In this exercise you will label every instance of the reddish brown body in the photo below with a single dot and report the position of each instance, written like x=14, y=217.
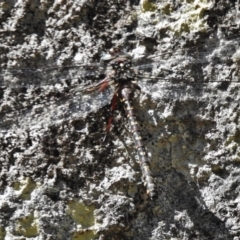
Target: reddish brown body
x=122, y=78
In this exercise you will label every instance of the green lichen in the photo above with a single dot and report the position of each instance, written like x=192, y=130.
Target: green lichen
x=27, y=226
x=147, y=6
x=166, y=9
x=84, y=235
x=174, y=138
x=235, y=138
x=25, y=187
x=2, y=233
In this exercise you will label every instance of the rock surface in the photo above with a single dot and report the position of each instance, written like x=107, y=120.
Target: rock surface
x=60, y=180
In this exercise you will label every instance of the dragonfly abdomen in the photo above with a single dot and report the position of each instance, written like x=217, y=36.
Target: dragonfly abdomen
x=126, y=94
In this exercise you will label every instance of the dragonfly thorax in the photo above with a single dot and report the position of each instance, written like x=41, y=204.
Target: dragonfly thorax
x=122, y=69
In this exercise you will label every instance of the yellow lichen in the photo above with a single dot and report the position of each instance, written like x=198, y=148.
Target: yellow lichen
x=83, y=216
x=190, y=18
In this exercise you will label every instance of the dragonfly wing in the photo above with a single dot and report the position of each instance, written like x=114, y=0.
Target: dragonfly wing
x=208, y=54
x=74, y=105
x=48, y=76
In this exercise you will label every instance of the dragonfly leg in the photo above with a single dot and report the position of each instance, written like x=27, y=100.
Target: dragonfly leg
x=112, y=108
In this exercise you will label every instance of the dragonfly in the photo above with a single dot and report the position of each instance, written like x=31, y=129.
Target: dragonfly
x=62, y=82
x=162, y=75
x=121, y=77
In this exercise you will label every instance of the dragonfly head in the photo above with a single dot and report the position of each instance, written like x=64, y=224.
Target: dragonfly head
x=120, y=62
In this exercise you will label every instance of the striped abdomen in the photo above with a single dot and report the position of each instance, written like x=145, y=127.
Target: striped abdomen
x=126, y=97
